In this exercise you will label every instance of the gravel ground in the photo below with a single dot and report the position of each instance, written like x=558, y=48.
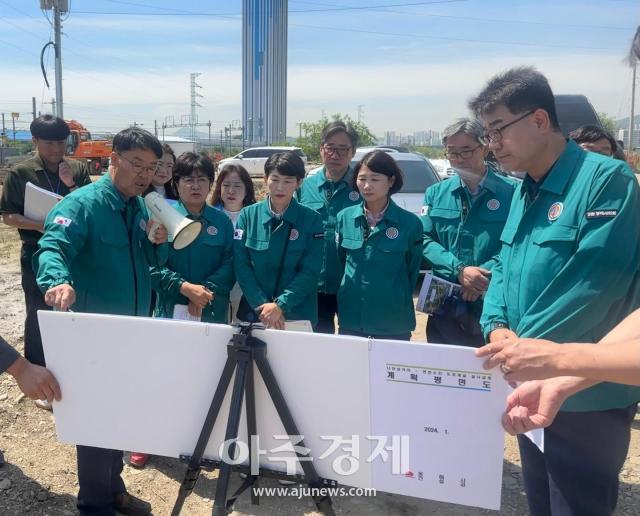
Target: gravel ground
x=40, y=475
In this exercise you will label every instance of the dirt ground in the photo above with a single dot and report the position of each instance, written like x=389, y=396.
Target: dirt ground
x=40, y=475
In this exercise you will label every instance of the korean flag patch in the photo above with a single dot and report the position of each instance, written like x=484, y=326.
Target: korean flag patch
x=237, y=234
x=424, y=210
x=63, y=221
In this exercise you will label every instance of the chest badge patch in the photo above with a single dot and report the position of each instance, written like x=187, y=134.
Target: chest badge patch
x=493, y=204
x=555, y=210
x=424, y=210
x=392, y=233
x=212, y=230
x=354, y=196
x=294, y=234
x=237, y=234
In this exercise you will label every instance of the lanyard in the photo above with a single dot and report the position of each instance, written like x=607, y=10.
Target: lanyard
x=46, y=174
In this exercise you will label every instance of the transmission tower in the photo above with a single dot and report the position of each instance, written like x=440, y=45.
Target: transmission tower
x=193, y=122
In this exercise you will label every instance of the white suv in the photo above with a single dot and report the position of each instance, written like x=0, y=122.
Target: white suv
x=253, y=159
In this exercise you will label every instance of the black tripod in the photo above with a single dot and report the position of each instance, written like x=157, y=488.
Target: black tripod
x=242, y=352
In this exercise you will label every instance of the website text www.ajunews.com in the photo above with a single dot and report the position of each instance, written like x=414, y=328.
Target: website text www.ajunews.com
x=306, y=491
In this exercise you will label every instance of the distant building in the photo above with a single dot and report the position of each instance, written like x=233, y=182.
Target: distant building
x=623, y=134
x=264, y=70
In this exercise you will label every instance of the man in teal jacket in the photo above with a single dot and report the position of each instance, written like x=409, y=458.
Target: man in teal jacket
x=95, y=257
x=568, y=271
x=462, y=219
x=328, y=192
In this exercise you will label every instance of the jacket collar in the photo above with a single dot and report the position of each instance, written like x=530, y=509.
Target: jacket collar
x=290, y=215
x=391, y=214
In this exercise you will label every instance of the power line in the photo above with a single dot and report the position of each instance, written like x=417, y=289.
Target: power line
x=447, y=38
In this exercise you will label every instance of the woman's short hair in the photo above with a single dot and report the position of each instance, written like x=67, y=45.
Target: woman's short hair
x=381, y=163
x=286, y=164
x=189, y=162
x=249, y=191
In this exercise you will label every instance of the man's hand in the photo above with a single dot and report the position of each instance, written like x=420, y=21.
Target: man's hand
x=199, y=295
x=533, y=405
x=271, y=316
x=194, y=310
x=156, y=232
x=523, y=359
x=35, y=381
x=66, y=175
x=470, y=294
x=475, y=277
x=60, y=297
x=501, y=334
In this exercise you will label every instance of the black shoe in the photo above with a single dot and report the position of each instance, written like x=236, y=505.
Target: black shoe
x=129, y=505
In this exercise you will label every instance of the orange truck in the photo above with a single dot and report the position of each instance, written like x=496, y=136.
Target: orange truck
x=81, y=146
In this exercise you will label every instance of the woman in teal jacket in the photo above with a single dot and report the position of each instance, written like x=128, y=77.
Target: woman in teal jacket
x=278, y=250
x=200, y=275
x=380, y=248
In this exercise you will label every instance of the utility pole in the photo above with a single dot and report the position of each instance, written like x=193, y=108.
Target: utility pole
x=155, y=128
x=633, y=104
x=210, y=147
x=58, y=7
x=33, y=106
x=194, y=104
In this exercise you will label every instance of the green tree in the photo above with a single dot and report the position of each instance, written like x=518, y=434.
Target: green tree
x=312, y=134
x=608, y=123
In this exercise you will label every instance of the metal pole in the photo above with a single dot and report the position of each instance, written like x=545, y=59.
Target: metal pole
x=633, y=105
x=210, y=147
x=13, y=120
x=58, y=44
x=155, y=128
x=33, y=105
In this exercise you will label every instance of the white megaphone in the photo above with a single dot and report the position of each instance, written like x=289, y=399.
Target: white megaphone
x=182, y=230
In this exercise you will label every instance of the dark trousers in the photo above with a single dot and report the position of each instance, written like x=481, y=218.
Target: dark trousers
x=34, y=301
x=445, y=329
x=578, y=473
x=327, y=310
x=99, y=480
x=392, y=336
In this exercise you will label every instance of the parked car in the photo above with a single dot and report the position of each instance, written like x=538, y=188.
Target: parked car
x=443, y=167
x=253, y=159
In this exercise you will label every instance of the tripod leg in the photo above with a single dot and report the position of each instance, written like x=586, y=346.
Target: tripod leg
x=252, y=429
x=233, y=423
x=322, y=502
x=193, y=471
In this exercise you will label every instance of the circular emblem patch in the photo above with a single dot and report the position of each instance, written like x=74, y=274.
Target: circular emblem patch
x=212, y=230
x=555, y=211
x=493, y=204
x=294, y=234
x=391, y=233
x=354, y=196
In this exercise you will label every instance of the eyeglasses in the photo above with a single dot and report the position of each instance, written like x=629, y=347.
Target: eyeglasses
x=201, y=181
x=338, y=150
x=495, y=135
x=139, y=168
x=465, y=154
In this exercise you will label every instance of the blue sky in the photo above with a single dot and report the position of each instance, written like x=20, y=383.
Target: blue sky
x=412, y=65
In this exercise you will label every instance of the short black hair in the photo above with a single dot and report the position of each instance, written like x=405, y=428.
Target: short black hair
x=49, y=127
x=593, y=133
x=136, y=138
x=286, y=164
x=519, y=89
x=340, y=127
x=381, y=163
x=190, y=162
